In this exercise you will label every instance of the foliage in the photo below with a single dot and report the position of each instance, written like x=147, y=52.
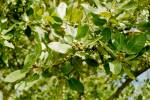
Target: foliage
x=73, y=49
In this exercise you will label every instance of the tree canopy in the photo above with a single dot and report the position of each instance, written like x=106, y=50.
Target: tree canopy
x=74, y=49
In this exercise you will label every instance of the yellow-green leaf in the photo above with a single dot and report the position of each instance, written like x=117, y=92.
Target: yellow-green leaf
x=14, y=76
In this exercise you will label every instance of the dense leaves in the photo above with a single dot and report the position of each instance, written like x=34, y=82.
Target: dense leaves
x=74, y=49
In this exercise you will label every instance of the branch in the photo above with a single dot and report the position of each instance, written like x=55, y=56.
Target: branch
x=126, y=83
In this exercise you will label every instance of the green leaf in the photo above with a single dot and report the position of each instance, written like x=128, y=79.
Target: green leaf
x=107, y=68
x=29, y=61
x=145, y=26
x=31, y=58
x=23, y=85
x=28, y=31
x=120, y=41
x=14, y=76
x=77, y=63
x=82, y=31
x=59, y=47
x=8, y=44
x=130, y=5
x=46, y=73
x=128, y=72
x=57, y=20
x=115, y=67
x=106, y=33
x=97, y=20
x=68, y=39
x=67, y=68
x=136, y=43
x=91, y=62
x=76, y=15
x=30, y=12
x=34, y=77
x=76, y=85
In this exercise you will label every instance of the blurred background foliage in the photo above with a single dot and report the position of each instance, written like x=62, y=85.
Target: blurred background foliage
x=74, y=49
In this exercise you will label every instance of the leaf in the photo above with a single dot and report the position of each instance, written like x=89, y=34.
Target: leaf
x=115, y=67
x=46, y=73
x=57, y=20
x=128, y=72
x=135, y=43
x=98, y=21
x=82, y=31
x=145, y=26
x=76, y=15
x=92, y=42
x=59, y=47
x=106, y=33
x=105, y=14
x=67, y=68
x=14, y=76
x=130, y=5
x=68, y=39
x=91, y=62
x=77, y=63
x=28, y=31
x=23, y=85
x=61, y=10
x=107, y=68
x=31, y=58
x=120, y=41
x=30, y=12
x=76, y=85
x=8, y=44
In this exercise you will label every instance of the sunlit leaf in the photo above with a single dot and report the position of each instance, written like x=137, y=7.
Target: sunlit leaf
x=59, y=47
x=8, y=44
x=14, y=76
x=61, y=10
x=115, y=67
